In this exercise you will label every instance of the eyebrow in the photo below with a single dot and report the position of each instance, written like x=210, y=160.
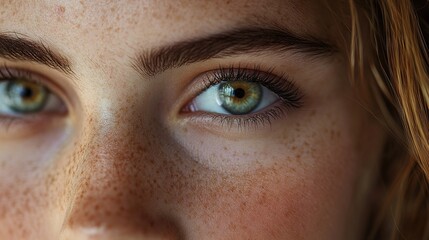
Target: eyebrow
x=231, y=43
x=17, y=47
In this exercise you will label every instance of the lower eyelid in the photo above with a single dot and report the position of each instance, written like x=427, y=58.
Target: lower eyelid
x=24, y=127
x=233, y=123
x=54, y=102
x=288, y=98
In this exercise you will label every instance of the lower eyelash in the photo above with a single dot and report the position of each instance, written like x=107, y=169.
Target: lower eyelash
x=243, y=122
x=290, y=97
x=258, y=119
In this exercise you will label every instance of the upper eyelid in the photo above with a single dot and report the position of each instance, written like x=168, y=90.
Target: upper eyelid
x=245, y=73
x=30, y=74
x=269, y=79
x=15, y=72
x=281, y=84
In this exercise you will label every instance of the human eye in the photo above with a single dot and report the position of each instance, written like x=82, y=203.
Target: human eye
x=23, y=96
x=240, y=97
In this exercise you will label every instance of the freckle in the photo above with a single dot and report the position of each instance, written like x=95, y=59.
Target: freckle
x=332, y=134
x=60, y=10
x=243, y=206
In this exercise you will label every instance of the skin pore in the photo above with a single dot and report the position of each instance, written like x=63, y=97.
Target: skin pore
x=126, y=161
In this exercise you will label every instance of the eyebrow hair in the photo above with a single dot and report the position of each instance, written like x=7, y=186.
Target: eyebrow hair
x=17, y=47
x=235, y=42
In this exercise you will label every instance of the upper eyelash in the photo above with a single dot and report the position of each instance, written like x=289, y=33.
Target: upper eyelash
x=289, y=94
x=13, y=74
x=281, y=85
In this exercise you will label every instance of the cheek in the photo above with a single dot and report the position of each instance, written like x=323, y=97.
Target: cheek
x=297, y=183
x=277, y=201
x=254, y=206
x=303, y=182
x=24, y=187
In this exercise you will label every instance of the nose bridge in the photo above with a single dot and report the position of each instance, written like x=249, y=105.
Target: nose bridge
x=112, y=187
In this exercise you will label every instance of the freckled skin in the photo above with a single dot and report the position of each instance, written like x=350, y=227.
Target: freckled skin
x=123, y=165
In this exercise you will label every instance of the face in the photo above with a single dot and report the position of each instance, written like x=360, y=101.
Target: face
x=180, y=120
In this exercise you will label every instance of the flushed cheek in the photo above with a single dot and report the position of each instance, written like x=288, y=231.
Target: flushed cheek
x=267, y=203
x=300, y=187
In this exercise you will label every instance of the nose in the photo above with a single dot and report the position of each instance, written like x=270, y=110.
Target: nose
x=114, y=187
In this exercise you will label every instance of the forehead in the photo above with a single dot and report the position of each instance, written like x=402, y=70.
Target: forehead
x=88, y=31
x=180, y=17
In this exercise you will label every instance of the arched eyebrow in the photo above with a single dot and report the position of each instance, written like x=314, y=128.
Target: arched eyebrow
x=230, y=43
x=18, y=47
x=149, y=63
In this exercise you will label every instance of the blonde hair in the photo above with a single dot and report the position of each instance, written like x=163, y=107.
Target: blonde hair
x=400, y=85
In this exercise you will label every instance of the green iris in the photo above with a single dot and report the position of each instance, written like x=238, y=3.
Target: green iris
x=25, y=96
x=240, y=97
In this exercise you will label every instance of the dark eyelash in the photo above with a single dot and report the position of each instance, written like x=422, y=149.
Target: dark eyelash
x=241, y=122
x=7, y=73
x=290, y=97
x=281, y=85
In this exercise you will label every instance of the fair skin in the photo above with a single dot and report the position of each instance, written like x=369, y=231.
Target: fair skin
x=122, y=159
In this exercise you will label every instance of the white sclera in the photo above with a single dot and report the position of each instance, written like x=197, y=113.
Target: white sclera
x=209, y=101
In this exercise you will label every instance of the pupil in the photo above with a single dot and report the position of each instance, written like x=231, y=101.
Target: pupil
x=26, y=93
x=239, y=92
